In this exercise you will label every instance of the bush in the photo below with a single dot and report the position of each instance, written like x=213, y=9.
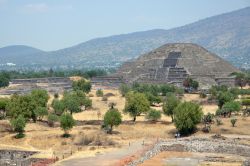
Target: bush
x=233, y=121
x=203, y=95
x=224, y=97
x=52, y=118
x=218, y=121
x=66, y=123
x=18, y=125
x=56, y=95
x=82, y=85
x=112, y=118
x=208, y=118
x=124, y=89
x=187, y=116
x=41, y=112
x=230, y=107
x=58, y=107
x=99, y=93
x=104, y=98
x=153, y=115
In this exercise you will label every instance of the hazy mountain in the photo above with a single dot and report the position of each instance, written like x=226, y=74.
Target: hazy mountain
x=227, y=35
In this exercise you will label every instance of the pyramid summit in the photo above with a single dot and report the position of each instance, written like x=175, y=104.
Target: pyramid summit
x=173, y=63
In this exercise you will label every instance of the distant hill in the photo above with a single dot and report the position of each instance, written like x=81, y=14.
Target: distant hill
x=227, y=35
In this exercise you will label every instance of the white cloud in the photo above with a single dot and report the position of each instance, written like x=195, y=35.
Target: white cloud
x=36, y=8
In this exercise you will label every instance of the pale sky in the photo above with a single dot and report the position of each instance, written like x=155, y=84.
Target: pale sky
x=56, y=24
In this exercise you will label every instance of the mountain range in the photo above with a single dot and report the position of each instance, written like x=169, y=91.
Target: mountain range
x=227, y=35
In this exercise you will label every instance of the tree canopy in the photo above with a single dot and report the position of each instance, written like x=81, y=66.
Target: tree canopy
x=112, y=118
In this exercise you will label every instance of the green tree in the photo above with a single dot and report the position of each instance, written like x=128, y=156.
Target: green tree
x=4, y=79
x=240, y=79
x=112, y=118
x=41, y=112
x=82, y=85
x=224, y=97
x=190, y=83
x=171, y=103
x=21, y=105
x=3, y=104
x=40, y=97
x=187, y=116
x=71, y=103
x=99, y=93
x=67, y=123
x=152, y=98
x=153, y=115
x=230, y=107
x=124, y=89
x=136, y=104
x=18, y=125
x=58, y=106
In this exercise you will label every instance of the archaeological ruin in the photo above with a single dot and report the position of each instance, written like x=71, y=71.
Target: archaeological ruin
x=173, y=63
x=51, y=84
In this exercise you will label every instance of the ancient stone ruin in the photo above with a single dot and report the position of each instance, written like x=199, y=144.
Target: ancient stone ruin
x=173, y=63
x=51, y=84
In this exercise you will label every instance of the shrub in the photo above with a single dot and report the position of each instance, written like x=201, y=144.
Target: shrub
x=153, y=115
x=208, y=118
x=203, y=95
x=112, y=118
x=218, y=121
x=66, y=123
x=230, y=107
x=233, y=121
x=104, y=98
x=41, y=112
x=82, y=85
x=18, y=125
x=224, y=97
x=99, y=93
x=52, y=118
x=187, y=116
x=124, y=89
x=58, y=107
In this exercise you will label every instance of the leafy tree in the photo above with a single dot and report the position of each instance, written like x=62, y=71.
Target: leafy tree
x=190, y=83
x=41, y=112
x=99, y=93
x=67, y=123
x=82, y=85
x=224, y=97
x=40, y=97
x=233, y=122
x=58, y=106
x=4, y=79
x=171, y=103
x=240, y=79
x=18, y=125
x=52, y=118
x=124, y=89
x=112, y=118
x=3, y=104
x=71, y=103
x=153, y=115
x=187, y=116
x=21, y=105
x=152, y=98
x=229, y=107
x=136, y=104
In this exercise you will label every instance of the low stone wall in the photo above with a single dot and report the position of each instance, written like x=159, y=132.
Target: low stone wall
x=16, y=157
x=197, y=145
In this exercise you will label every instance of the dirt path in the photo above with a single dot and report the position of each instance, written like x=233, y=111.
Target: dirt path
x=107, y=159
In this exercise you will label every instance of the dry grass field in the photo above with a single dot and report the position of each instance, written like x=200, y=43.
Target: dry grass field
x=40, y=137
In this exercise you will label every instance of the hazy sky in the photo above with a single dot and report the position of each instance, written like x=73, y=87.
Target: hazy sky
x=55, y=24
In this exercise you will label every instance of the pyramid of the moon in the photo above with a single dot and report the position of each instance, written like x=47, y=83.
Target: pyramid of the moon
x=173, y=63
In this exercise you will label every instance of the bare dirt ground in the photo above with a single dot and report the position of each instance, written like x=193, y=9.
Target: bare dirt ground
x=48, y=141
